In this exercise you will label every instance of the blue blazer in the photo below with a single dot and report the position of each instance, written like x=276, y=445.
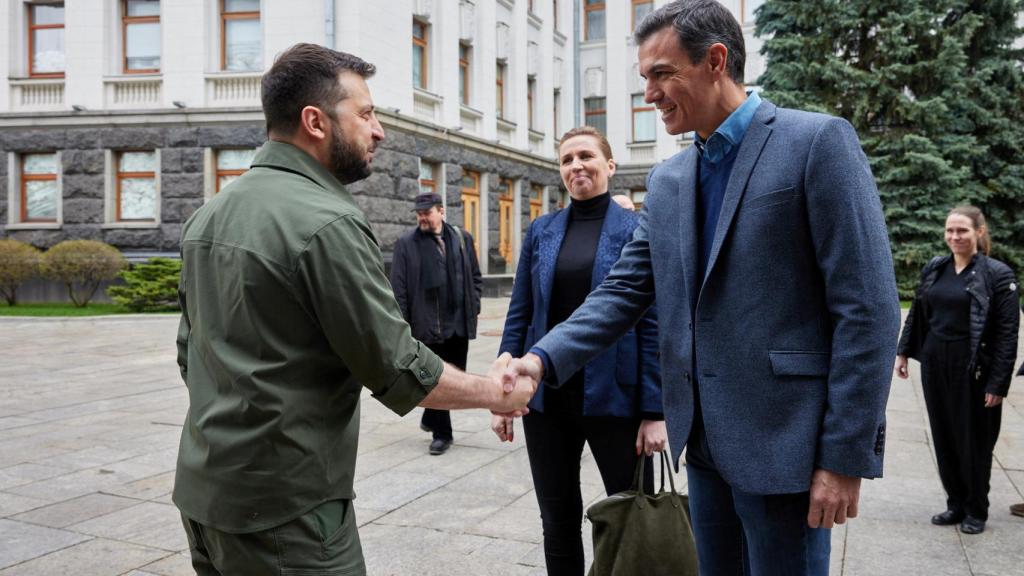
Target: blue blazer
x=623, y=379
x=791, y=332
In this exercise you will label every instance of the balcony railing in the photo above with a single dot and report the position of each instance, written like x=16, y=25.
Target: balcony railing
x=227, y=89
x=133, y=92
x=37, y=95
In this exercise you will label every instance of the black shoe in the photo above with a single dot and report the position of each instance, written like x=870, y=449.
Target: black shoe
x=1017, y=509
x=425, y=428
x=948, y=518
x=972, y=525
x=439, y=446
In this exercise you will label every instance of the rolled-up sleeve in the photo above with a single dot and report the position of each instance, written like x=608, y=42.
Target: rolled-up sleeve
x=342, y=271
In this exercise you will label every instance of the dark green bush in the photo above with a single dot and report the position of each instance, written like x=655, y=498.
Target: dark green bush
x=18, y=262
x=82, y=265
x=149, y=287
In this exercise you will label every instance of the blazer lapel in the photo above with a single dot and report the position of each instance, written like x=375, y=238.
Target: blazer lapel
x=547, y=250
x=605, y=256
x=750, y=150
x=686, y=198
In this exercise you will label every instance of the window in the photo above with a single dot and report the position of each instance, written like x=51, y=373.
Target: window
x=464, y=53
x=595, y=114
x=136, y=187
x=536, y=201
x=531, y=88
x=40, y=195
x=748, y=7
x=529, y=6
x=428, y=183
x=231, y=164
x=46, y=40
x=241, y=48
x=140, y=35
x=556, y=110
x=505, y=203
x=643, y=120
x=499, y=89
x=641, y=8
x=554, y=14
x=638, y=196
x=419, y=54
x=593, y=20
x=471, y=206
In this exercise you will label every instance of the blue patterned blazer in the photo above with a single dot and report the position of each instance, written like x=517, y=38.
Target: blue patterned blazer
x=623, y=379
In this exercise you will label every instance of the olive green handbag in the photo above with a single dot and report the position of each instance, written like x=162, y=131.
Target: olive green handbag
x=643, y=534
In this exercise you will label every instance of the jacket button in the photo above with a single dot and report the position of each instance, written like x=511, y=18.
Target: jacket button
x=423, y=373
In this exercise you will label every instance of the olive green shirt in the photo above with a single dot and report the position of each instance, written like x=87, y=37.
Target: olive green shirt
x=286, y=314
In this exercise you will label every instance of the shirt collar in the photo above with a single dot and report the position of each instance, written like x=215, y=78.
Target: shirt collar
x=730, y=133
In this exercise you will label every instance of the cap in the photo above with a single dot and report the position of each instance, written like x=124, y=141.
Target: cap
x=426, y=200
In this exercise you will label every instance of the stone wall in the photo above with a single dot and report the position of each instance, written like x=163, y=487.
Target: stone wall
x=386, y=195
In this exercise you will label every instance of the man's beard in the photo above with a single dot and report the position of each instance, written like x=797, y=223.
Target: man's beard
x=347, y=162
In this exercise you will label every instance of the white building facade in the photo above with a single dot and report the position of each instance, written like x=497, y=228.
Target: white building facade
x=119, y=118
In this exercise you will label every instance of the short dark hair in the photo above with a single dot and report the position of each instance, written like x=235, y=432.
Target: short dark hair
x=305, y=75
x=698, y=25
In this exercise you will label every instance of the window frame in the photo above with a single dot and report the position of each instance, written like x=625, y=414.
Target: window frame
x=471, y=217
x=423, y=43
x=499, y=86
x=556, y=105
x=600, y=111
x=465, y=54
x=587, y=9
x=531, y=88
x=536, y=201
x=127, y=20
x=554, y=15
x=32, y=27
x=224, y=17
x=430, y=182
x=633, y=111
x=119, y=177
x=23, y=178
x=506, y=202
x=632, y=10
x=218, y=171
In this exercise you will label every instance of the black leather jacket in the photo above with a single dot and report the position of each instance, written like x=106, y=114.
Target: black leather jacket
x=994, y=320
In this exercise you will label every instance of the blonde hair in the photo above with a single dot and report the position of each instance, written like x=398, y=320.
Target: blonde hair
x=977, y=218
x=602, y=142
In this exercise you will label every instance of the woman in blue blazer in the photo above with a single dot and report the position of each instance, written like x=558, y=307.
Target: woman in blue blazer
x=614, y=403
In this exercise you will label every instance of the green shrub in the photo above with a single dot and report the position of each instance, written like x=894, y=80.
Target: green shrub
x=18, y=262
x=149, y=287
x=82, y=265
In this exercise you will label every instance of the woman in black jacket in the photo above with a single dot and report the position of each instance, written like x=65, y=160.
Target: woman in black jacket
x=962, y=327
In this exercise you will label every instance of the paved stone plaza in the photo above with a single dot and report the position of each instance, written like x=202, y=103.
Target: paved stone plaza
x=91, y=411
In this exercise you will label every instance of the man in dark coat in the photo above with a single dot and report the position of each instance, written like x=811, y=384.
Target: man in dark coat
x=436, y=279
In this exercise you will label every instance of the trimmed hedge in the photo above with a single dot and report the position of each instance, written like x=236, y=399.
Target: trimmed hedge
x=19, y=262
x=82, y=265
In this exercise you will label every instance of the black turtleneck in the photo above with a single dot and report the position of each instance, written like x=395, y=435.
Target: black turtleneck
x=573, y=271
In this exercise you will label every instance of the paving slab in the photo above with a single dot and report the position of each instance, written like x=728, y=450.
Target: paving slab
x=99, y=557
x=76, y=510
x=22, y=542
x=148, y=524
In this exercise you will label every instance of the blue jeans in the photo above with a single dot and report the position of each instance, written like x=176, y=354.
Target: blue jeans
x=745, y=534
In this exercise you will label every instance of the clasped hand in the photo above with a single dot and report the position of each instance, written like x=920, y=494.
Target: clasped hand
x=514, y=375
x=517, y=386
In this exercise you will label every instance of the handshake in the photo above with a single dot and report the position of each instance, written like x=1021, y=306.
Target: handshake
x=518, y=379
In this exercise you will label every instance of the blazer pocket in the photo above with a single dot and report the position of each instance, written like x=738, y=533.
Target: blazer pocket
x=771, y=199
x=785, y=363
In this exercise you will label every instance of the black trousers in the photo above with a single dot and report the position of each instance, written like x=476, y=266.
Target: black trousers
x=963, y=430
x=554, y=442
x=454, y=351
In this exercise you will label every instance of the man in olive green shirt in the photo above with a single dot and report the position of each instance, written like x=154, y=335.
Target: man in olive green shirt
x=286, y=315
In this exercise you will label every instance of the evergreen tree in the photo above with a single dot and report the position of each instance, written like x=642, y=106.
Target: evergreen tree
x=933, y=87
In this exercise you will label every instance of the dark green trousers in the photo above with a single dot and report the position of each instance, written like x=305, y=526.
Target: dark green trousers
x=321, y=542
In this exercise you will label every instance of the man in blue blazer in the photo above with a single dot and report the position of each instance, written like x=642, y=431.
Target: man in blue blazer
x=778, y=315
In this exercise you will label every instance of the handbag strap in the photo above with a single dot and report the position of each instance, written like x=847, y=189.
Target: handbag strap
x=667, y=466
x=638, y=476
